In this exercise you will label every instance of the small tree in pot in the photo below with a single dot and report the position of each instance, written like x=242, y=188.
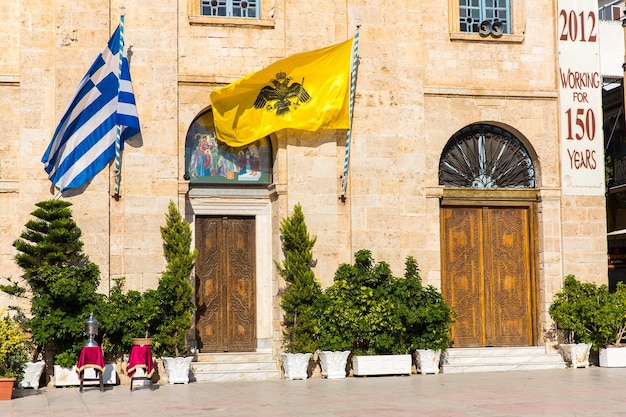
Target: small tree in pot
x=299, y=296
x=590, y=317
x=174, y=296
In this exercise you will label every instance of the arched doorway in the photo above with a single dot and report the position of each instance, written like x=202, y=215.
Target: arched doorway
x=488, y=229
x=231, y=205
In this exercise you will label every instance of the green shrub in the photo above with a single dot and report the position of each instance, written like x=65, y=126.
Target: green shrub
x=589, y=313
x=13, y=348
x=124, y=316
x=370, y=311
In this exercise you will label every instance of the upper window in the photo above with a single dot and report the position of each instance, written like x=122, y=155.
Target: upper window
x=229, y=8
x=487, y=20
x=232, y=13
x=210, y=161
x=486, y=17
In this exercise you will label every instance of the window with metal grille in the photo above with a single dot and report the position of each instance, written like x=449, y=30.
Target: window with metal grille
x=230, y=8
x=485, y=156
x=474, y=12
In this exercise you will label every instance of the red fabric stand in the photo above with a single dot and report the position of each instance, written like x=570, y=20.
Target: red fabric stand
x=91, y=357
x=140, y=358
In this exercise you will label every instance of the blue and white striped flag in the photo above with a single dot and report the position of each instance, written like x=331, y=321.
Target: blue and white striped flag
x=84, y=141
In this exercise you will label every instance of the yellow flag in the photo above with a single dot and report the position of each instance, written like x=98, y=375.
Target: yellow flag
x=307, y=91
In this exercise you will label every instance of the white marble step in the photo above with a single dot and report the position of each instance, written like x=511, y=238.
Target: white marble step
x=460, y=360
x=246, y=366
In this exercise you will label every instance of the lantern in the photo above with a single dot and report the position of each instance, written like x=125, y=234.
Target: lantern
x=91, y=328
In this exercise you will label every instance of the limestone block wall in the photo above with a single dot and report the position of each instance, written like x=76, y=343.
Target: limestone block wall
x=584, y=238
x=549, y=238
x=10, y=127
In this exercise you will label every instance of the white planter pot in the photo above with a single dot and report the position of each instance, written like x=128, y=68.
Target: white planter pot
x=177, y=369
x=32, y=375
x=295, y=365
x=381, y=365
x=427, y=361
x=613, y=357
x=64, y=377
x=334, y=363
x=576, y=354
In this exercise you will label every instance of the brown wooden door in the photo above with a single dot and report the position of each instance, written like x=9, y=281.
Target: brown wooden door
x=225, y=284
x=486, y=274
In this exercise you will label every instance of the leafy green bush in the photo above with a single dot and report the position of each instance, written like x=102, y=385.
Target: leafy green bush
x=124, y=316
x=13, y=348
x=589, y=313
x=370, y=311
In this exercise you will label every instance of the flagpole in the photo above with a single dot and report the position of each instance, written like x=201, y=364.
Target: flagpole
x=355, y=58
x=117, y=173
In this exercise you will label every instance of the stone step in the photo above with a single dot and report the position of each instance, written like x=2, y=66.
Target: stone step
x=460, y=360
x=230, y=366
x=231, y=357
x=233, y=376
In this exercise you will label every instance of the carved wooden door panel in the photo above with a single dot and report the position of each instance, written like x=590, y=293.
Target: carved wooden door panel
x=507, y=277
x=486, y=274
x=462, y=277
x=225, y=284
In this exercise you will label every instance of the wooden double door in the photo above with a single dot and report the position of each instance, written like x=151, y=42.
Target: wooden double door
x=225, y=284
x=488, y=274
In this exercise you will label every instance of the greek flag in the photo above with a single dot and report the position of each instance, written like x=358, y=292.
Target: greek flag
x=84, y=141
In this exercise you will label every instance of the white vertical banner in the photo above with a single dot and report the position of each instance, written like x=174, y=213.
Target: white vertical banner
x=580, y=98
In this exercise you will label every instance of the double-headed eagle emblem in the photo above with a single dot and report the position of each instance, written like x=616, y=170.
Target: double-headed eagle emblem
x=282, y=94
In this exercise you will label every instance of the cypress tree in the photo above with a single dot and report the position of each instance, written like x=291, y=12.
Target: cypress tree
x=175, y=293
x=302, y=288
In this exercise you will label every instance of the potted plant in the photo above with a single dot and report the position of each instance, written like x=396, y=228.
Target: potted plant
x=428, y=316
x=299, y=296
x=13, y=355
x=590, y=317
x=60, y=282
x=334, y=345
x=613, y=314
x=386, y=317
x=174, y=297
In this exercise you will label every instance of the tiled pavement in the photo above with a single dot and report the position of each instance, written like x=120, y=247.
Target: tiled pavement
x=571, y=392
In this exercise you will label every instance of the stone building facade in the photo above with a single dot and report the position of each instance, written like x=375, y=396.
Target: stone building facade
x=424, y=82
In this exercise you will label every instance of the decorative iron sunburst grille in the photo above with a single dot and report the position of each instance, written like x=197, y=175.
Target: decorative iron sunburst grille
x=485, y=156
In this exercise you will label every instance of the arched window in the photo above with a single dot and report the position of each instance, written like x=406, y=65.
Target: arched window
x=485, y=156
x=210, y=161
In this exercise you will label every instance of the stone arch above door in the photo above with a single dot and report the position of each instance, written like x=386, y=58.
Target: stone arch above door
x=483, y=155
x=488, y=220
